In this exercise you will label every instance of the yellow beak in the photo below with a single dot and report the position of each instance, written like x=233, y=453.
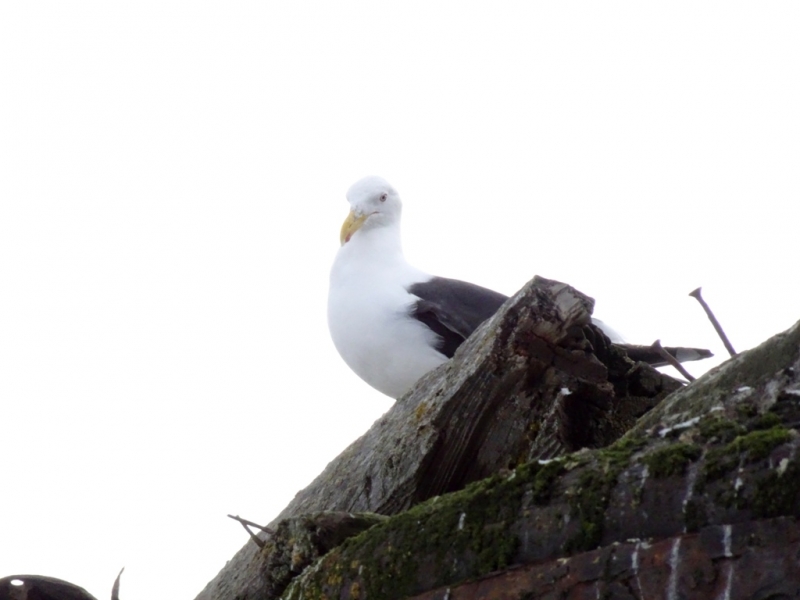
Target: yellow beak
x=351, y=224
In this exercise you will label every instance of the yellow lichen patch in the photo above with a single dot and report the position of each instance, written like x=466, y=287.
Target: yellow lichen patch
x=334, y=579
x=298, y=557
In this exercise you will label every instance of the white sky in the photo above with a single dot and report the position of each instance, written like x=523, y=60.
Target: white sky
x=172, y=179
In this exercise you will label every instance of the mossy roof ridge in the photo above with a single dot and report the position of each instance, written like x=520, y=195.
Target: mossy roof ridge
x=494, y=524
x=462, y=534
x=728, y=465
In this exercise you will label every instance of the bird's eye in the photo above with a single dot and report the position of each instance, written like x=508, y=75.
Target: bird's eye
x=384, y=196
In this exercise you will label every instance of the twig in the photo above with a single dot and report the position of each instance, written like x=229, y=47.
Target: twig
x=256, y=525
x=671, y=359
x=696, y=295
x=248, y=524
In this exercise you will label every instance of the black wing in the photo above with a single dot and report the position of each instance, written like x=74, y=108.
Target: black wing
x=453, y=309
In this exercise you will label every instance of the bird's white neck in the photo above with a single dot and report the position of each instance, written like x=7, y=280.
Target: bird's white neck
x=385, y=239
x=374, y=253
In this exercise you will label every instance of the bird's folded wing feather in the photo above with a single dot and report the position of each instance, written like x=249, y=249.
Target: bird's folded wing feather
x=453, y=309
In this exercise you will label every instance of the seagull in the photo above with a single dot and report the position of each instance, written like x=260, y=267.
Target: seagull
x=391, y=322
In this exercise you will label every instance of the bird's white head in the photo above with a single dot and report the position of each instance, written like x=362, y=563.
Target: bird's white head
x=373, y=203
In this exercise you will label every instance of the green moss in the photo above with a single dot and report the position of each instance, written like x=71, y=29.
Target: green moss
x=467, y=534
x=589, y=499
x=588, y=506
x=759, y=444
x=746, y=410
x=778, y=493
x=620, y=452
x=751, y=447
x=765, y=421
x=452, y=537
x=719, y=462
x=464, y=534
x=719, y=428
x=545, y=479
x=671, y=460
x=766, y=434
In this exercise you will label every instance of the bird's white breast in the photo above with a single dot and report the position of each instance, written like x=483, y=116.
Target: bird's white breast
x=370, y=323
